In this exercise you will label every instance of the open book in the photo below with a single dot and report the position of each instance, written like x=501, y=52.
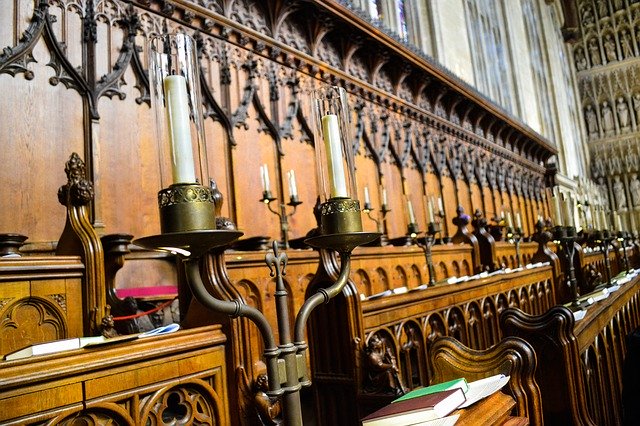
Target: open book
x=84, y=342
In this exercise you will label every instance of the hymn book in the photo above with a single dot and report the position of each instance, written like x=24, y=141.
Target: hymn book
x=416, y=410
x=439, y=387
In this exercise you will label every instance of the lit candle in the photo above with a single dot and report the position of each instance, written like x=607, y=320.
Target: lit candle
x=265, y=178
x=518, y=220
x=293, y=189
x=412, y=216
x=430, y=211
x=440, y=205
x=367, y=200
x=177, y=102
x=333, y=146
x=384, y=197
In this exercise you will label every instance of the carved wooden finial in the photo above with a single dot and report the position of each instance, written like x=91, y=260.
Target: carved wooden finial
x=78, y=191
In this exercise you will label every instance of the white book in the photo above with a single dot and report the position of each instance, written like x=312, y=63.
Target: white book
x=53, y=347
x=482, y=388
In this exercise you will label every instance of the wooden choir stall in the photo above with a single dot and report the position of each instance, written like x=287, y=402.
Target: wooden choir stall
x=461, y=272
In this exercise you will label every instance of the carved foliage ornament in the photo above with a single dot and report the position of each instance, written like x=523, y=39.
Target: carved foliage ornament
x=78, y=191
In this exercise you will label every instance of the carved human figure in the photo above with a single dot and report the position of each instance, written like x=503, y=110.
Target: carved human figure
x=626, y=43
x=610, y=48
x=636, y=107
x=623, y=113
x=268, y=409
x=602, y=8
x=618, y=192
x=382, y=371
x=587, y=16
x=581, y=60
x=618, y=4
x=594, y=52
x=592, y=121
x=634, y=189
x=607, y=118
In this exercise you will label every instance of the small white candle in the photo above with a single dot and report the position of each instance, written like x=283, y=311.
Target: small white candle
x=265, y=178
x=568, y=212
x=518, y=220
x=384, y=197
x=430, y=211
x=603, y=219
x=367, y=200
x=177, y=107
x=618, y=222
x=440, y=205
x=333, y=146
x=509, y=220
x=293, y=189
x=412, y=216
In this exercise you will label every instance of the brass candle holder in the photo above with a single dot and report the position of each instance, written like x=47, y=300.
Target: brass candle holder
x=294, y=202
x=566, y=236
x=426, y=245
x=380, y=221
x=514, y=235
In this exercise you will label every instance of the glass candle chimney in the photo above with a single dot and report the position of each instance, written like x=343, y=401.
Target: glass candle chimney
x=176, y=100
x=334, y=154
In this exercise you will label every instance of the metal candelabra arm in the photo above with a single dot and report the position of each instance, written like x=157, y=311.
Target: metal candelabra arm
x=236, y=308
x=322, y=296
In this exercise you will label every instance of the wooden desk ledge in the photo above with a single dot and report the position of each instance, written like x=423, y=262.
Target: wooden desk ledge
x=493, y=410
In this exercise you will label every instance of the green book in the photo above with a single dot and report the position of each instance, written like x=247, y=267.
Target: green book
x=439, y=387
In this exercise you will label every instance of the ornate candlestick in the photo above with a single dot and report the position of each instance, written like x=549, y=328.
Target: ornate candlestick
x=623, y=236
x=429, y=239
x=603, y=238
x=188, y=230
x=566, y=237
x=515, y=236
x=379, y=221
x=294, y=202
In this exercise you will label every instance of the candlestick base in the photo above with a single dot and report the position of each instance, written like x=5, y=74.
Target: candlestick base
x=344, y=242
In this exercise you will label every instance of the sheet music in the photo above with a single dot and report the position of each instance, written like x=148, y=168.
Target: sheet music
x=483, y=388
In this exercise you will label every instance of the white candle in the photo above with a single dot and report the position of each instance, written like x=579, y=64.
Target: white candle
x=412, y=216
x=384, y=197
x=293, y=189
x=509, y=220
x=603, y=219
x=518, y=220
x=367, y=200
x=568, y=213
x=430, y=211
x=333, y=146
x=265, y=178
x=440, y=205
x=177, y=104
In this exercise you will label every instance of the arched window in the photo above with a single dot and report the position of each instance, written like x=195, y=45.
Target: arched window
x=487, y=40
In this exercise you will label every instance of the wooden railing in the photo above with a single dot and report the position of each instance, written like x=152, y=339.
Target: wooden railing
x=580, y=363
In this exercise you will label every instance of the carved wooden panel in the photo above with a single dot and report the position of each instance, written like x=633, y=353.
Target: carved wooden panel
x=259, y=60
x=467, y=312
x=175, y=379
x=40, y=300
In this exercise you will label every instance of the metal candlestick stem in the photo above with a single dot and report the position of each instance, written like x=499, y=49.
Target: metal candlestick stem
x=294, y=202
x=429, y=239
x=515, y=235
x=566, y=237
x=604, y=238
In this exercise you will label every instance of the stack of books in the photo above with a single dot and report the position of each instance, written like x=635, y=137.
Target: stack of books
x=434, y=404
